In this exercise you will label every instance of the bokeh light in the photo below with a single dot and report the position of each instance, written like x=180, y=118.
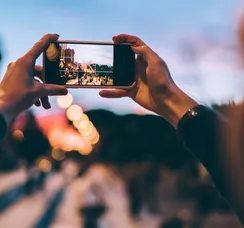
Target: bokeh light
x=65, y=101
x=44, y=165
x=86, y=150
x=74, y=112
x=76, y=123
x=18, y=135
x=87, y=130
x=58, y=154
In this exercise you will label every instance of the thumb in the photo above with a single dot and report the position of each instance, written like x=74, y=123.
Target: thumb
x=51, y=90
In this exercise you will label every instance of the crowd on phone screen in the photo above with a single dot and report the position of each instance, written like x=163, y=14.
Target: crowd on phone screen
x=81, y=76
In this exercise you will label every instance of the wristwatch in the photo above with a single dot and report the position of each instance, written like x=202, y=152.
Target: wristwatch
x=191, y=119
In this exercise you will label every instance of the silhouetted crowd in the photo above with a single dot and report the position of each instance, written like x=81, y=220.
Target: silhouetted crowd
x=164, y=186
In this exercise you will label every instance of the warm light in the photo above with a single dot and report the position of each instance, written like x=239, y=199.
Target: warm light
x=87, y=130
x=68, y=141
x=65, y=101
x=54, y=136
x=80, y=144
x=58, y=154
x=84, y=117
x=95, y=140
x=86, y=150
x=84, y=124
x=74, y=112
x=18, y=135
x=44, y=165
x=90, y=137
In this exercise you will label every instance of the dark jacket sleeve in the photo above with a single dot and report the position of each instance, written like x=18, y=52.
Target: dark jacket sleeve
x=3, y=128
x=201, y=134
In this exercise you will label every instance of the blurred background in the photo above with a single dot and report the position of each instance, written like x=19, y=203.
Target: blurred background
x=92, y=162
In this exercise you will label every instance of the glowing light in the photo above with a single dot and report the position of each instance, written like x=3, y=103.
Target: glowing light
x=65, y=101
x=90, y=137
x=68, y=141
x=86, y=150
x=18, y=135
x=84, y=124
x=44, y=165
x=74, y=112
x=80, y=144
x=58, y=154
x=95, y=140
x=84, y=117
x=54, y=136
x=87, y=130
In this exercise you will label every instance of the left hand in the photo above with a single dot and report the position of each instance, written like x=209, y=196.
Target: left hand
x=19, y=90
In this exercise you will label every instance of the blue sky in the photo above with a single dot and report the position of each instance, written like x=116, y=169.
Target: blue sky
x=196, y=38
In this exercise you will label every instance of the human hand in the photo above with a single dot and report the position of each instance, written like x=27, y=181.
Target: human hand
x=19, y=90
x=155, y=89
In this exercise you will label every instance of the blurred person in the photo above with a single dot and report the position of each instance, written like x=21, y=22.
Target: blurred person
x=112, y=192
x=17, y=97
x=98, y=187
x=200, y=129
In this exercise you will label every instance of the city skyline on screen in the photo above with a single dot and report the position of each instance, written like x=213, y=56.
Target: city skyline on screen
x=196, y=39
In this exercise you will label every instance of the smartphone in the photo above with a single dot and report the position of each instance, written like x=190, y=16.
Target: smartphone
x=82, y=64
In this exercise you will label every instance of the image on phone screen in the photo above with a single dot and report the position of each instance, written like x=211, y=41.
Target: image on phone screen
x=89, y=64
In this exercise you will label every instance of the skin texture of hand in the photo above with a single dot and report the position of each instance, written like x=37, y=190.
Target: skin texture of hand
x=19, y=90
x=155, y=89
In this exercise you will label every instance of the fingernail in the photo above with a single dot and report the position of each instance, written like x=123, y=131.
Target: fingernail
x=56, y=35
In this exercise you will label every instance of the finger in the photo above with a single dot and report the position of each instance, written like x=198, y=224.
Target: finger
x=45, y=103
x=125, y=38
x=38, y=72
x=117, y=93
x=41, y=46
x=38, y=103
x=146, y=52
x=43, y=90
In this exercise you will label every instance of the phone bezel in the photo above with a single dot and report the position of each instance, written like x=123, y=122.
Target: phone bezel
x=90, y=86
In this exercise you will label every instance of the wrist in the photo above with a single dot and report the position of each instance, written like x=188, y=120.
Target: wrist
x=175, y=107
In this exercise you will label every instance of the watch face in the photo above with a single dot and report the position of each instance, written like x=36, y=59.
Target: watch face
x=193, y=112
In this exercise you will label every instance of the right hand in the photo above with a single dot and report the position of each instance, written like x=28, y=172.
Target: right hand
x=155, y=89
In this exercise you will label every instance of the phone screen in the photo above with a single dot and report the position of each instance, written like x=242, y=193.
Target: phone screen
x=89, y=64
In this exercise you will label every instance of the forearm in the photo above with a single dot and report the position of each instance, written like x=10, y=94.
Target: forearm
x=203, y=137
x=207, y=139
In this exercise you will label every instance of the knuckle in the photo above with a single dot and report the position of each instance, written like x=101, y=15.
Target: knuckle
x=10, y=65
x=39, y=44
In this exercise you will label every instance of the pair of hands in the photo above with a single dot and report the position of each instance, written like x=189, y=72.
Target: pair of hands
x=155, y=90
